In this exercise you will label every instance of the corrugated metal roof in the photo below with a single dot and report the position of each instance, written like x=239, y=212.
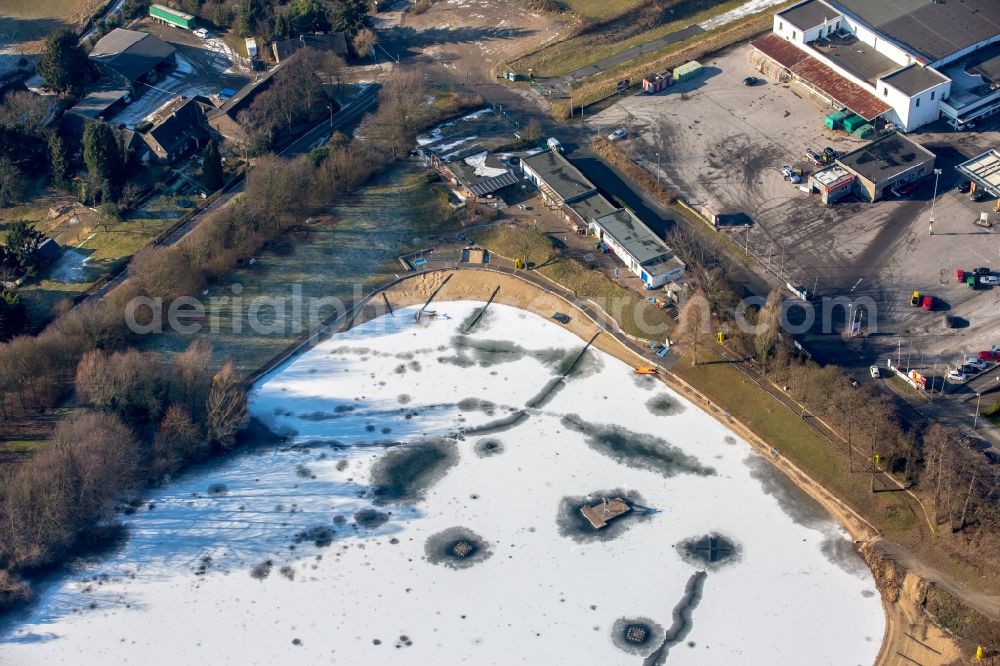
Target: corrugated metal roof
x=841, y=90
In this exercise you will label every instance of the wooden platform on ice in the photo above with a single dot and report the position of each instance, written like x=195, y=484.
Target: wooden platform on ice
x=605, y=511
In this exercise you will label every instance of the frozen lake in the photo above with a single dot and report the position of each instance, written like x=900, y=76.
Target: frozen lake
x=463, y=541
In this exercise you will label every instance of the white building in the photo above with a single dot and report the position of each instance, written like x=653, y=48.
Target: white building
x=643, y=252
x=908, y=62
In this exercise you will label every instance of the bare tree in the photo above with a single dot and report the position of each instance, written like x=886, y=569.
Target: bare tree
x=694, y=323
x=128, y=383
x=768, y=326
x=227, y=406
x=363, y=42
x=177, y=440
x=191, y=378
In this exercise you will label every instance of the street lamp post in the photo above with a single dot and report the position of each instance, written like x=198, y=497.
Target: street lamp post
x=657, y=168
x=930, y=227
x=975, y=418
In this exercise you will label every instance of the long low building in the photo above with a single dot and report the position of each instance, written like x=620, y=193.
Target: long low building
x=873, y=170
x=905, y=62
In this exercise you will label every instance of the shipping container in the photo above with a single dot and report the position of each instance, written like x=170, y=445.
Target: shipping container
x=866, y=131
x=835, y=120
x=853, y=122
x=172, y=16
x=687, y=71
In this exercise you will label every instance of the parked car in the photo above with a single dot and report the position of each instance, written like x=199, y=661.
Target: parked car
x=791, y=174
x=927, y=304
x=976, y=363
x=969, y=370
x=751, y=81
x=904, y=189
x=816, y=158
x=989, y=356
x=200, y=32
x=964, y=186
x=950, y=321
x=619, y=133
x=981, y=271
x=553, y=144
x=915, y=298
x=956, y=376
x=989, y=279
x=830, y=154
x=875, y=372
x=977, y=195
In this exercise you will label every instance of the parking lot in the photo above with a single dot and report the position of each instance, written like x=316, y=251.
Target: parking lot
x=204, y=67
x=722, y=143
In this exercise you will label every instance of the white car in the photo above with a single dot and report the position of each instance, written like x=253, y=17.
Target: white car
x=789, y=173
x=956, y=376
x=619, y=133
x=200, y=32
x=976, y=363
x=875, y=373
x=989, y=279
x=553, y=144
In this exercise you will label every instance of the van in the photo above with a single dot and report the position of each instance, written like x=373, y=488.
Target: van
x=553, y=144
x=976, y=363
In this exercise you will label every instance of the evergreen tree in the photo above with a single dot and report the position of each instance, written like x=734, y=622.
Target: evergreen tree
x=101, y=153
x=23, y=241
x=57, y=160
x=63, y=64
x=211, y=168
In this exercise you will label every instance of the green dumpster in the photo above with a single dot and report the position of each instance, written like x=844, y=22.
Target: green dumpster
x=835, y=120
x=853, y=122
x=865, y=131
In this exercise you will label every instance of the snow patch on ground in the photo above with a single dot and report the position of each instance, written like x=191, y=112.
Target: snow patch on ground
x=751, y=7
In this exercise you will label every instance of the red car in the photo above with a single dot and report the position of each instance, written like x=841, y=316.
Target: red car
x=991, y=356
x=927, y=304
x=960, y=276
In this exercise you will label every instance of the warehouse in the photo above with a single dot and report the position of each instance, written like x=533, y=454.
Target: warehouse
x=130, y=57
x=905, y=64
x=642, y=251
x=890, y=161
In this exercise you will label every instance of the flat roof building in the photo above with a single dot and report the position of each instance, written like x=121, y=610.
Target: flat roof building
x=559, y=181
x=901, y=61
x=642, y=251
x=886, y=163
x=984, y=171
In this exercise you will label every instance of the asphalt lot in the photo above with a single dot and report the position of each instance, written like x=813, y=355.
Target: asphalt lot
x=723, y=143
x=204, y=67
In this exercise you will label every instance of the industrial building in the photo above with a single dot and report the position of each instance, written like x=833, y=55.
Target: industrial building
x=905, y=63
x=874, y=170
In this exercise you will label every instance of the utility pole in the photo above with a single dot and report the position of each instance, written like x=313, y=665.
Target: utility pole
x=937, y=174
x=975, y=418
x=747, y=247
x=657, y=168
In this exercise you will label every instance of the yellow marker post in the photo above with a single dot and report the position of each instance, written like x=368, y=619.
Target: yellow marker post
x=877, y=458
x=979, y=653
x=721, y=337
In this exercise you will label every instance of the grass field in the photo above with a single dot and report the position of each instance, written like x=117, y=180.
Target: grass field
x=24, y=24
x=600, y=9
x=564, y=57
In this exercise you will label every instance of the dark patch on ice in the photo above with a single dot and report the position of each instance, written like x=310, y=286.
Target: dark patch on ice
x=664, y=405
x=370, y=519
x=548, y=392
x=403, y=399
x=682, y=623
x=339, y=520
x=868, y=594
x=404, y=473
x=637, y=635
x=477, y=405
x=488, y=353
x=318, y=416
x=342, y=409
x=457, y=547
x=400, y=369
x=415, y=366
x=487, y=448
x=574, y=525
x=729, y=439
x=262, y=570
x=841, y=552
x=636, y=449
x=217, y=490
x=321, y=536
x=646, y=382
x=710, y=551
x=304, y=472
x=794, y=501
x=499, y=425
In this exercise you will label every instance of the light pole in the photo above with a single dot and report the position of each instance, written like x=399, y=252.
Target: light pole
x=930, y=227
x=657, y=168
x=975, y=418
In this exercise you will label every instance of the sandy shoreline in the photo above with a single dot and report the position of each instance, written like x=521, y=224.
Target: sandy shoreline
x=903, y=613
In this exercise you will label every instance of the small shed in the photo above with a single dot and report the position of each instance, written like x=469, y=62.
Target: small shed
x=251, y=44
x=833, y=183
x=172, y=16
x=688, y=70
x=654, y=83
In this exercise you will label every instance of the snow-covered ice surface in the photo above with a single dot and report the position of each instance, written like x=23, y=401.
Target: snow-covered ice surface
x=747, y=8
x=538, y=588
